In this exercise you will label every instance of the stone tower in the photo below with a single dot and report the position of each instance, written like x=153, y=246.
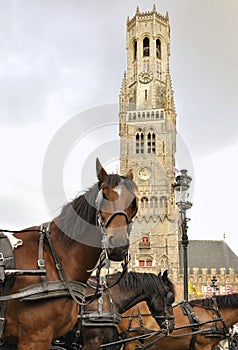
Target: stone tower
x=147, y=131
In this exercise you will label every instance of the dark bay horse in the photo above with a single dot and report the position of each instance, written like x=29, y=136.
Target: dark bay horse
x=98, y=320
x=67, y=249
x=212, y=319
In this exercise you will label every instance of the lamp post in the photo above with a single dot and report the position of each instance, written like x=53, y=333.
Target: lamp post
x=214, y=286
x=181, y=187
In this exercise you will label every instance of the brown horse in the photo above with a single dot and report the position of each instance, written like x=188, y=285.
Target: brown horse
x=98, y=320
x=209, y=323
x=70, y=250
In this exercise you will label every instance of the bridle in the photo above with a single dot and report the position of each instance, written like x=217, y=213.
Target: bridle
x=165, y=325
x=104, y=225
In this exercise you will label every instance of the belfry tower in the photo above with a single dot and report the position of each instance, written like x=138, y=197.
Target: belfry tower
x=148, y=141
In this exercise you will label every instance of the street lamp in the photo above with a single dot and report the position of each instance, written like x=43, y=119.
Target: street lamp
x=214, y=286
x=182, y=186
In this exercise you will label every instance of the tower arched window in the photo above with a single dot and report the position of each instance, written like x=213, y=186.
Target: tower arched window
x=154, y=202
x=163, y=202
x=139, y=142
x=146, y=47
x=151, y=142
x=144, y=202
x=135, y=50
x=158, y=48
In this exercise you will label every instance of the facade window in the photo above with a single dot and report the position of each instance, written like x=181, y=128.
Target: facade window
x=144, y=202
x=163, y=202
x=146, y=95
x=151, y=142
x=146, y=47
x=154, y=202
x=158, y=49
x=145, y=243
x=139, y=142
x=145, y=262
x=135, y=50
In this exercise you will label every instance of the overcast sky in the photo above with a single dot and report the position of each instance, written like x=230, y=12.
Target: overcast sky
x=59, y=58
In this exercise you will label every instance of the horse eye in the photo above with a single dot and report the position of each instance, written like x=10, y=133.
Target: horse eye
x=170, y=298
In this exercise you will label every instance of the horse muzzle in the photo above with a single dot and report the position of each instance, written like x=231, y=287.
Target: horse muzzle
x=117, y=249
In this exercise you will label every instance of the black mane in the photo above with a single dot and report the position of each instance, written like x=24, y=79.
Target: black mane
x=229, y=301
x=78, y=218
x=143, y=282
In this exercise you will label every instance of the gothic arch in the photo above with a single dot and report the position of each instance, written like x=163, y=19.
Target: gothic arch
x=139, y=136
x=151, y=143
x=154, y=202
x=163, y=262
x=146, y=46
x=158, y=48
x=144, y=202
x=135, y=49
x=163, y=202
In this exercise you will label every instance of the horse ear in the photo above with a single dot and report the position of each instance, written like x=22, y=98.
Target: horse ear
x=129, y=175
x=101, y=172
x=165, y=276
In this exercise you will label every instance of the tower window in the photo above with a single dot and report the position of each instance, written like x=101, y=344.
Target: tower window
x=158, y=49
x=163, y=202
x=144, y=202
x=135, y=50
x=146, y=47
x=151, y=142
x=154, y=202
x=146, y=95
x=139, y=142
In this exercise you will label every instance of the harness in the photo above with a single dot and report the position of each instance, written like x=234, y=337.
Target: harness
x=101, y=317
x=213, y=331
x=194, y=322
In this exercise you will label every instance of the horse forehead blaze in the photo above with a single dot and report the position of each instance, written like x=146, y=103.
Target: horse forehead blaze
x=119, y=194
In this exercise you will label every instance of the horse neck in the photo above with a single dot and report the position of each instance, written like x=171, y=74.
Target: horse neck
x=229, y=315
x=77, y=259
x=124, y=299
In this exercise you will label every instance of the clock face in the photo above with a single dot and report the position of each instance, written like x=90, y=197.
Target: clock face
x=144, y=173
x=145, y=77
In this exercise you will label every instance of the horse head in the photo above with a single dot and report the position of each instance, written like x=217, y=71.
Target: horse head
x=160, y=304
x=116, y=205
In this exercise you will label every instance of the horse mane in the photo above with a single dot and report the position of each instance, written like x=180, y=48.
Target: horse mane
x=79, y=216
x=143, y=282
x=223, y=301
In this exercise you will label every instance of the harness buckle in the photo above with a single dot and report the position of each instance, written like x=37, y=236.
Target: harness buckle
x=41, y=263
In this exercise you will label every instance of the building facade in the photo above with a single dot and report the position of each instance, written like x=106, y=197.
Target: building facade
x=147, y=129
x=148, y=140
